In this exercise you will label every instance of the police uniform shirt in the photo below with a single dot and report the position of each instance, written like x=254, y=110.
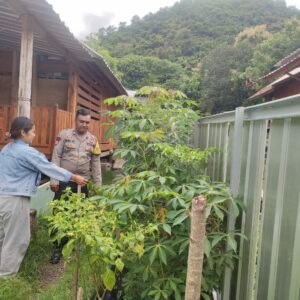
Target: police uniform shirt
x=79, y=154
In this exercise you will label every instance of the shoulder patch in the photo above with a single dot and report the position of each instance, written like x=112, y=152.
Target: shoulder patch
x=57, y=140
x=97, y=150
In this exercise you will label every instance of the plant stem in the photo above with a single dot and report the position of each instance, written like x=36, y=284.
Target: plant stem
x=103, y=294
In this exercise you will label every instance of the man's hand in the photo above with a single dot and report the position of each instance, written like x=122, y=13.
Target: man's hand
x=79, y=179
x=54, y=187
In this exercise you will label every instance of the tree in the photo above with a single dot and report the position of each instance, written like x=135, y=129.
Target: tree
x=140, y=71
x=214, y=50
x=217, y=90
x=190, y=29
x=274, y=49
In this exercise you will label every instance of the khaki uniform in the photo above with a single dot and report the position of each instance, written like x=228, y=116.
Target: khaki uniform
x=78, y=154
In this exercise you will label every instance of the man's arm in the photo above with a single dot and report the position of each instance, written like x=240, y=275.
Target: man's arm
x=96, y=165
x=56, y=157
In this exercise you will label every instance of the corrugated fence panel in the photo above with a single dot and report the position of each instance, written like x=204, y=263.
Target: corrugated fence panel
x=204, y=134
x=252, y=197
x=222, y=157
x=211, y=142
x=272, y=206
x=245, y=146
x=278, y=276
x=218, y=135
x=229, y=152
x=196, y=136
x=219, y=155
x=288, y=233
x=267, y=164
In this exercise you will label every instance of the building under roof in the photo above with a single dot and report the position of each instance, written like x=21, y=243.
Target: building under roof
x=46, y=73
x=283, y=81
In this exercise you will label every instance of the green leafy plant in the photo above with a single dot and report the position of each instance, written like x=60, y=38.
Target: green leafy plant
x=138, y=227
x=98, y=240
x=160, y=177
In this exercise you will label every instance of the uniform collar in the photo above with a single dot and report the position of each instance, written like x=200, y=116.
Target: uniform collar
x=84, y=136
x=81, y=138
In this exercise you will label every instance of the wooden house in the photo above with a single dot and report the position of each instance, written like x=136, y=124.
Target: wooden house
x=47, y=74
x=283, y=81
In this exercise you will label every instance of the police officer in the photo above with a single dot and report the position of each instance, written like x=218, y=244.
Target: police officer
x=77, y=151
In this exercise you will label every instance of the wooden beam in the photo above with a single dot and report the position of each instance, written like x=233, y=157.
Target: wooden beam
x=25, y=73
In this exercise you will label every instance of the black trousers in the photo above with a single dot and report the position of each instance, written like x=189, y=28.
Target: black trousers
x=72, y=185
x=58, y=194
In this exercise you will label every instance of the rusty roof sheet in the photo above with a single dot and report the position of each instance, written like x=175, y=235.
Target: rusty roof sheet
x=288, y=58
x=284, y=62
x=49, y=20
x=270, y=87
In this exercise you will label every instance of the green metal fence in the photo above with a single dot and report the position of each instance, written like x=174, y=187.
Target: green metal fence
x=260, y=159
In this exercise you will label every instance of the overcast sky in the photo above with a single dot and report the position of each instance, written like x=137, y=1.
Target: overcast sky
x=86, y=16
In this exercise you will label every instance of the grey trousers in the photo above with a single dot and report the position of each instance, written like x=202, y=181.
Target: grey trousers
x=14, y=232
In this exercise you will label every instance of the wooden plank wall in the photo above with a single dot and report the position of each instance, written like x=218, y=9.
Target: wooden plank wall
x=89, y=92
x=64, y=120
x=50, y=92
x=6, y=60
x=44, y=120
x=7, y=114
x=92, y=90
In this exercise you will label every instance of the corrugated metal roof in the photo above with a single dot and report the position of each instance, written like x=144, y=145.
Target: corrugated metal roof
x=288, y=58
x=49, y=20
x=264, y=91
x=284, y=62
x=270, y=87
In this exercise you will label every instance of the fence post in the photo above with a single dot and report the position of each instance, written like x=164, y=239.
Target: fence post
x=236, y=161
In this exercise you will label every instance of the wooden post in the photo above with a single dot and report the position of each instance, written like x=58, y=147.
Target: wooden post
x=196, y=249
x=25, y=73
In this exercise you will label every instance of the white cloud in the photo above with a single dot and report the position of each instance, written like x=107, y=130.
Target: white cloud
x=83, y=17
x=294, y=3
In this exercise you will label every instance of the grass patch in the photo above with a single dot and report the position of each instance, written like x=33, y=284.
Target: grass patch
x=26, y=285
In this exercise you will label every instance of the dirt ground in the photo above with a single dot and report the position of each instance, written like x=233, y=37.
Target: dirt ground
x=51, y=273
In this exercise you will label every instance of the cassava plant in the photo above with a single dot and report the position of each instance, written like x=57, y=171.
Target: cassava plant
x=196, y=249
x=161, y=176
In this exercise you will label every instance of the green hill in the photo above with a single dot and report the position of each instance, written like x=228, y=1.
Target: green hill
x=169, y=47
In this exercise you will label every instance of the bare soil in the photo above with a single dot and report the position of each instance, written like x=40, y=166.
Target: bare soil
x=51, y=273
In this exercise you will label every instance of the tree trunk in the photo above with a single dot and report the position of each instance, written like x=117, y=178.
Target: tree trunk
x=196, y=249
